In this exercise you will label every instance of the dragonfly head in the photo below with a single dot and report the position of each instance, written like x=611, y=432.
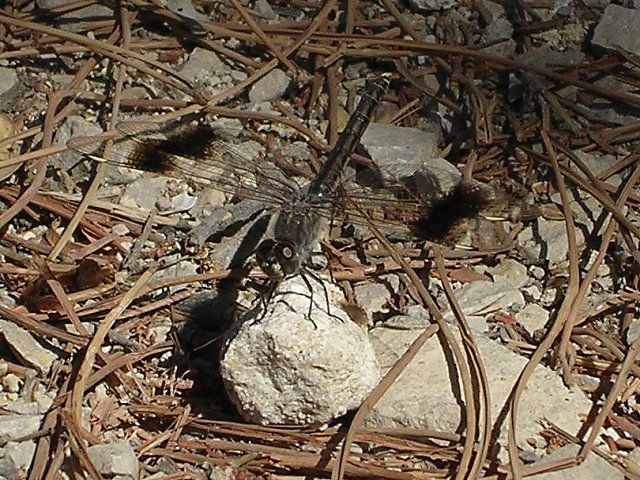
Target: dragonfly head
x=278, y=258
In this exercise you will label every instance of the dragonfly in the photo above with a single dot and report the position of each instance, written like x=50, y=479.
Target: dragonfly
x=201, y=154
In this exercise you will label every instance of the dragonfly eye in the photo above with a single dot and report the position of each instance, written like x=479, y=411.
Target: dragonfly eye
x=277, y=258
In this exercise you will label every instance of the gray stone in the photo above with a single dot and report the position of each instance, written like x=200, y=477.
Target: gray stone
x=505, y=48
x=617, y=26
x=26, y=348
x=547, y=242
x=20, y=454
x=372, y=297
x=22, y=407
x=185, y=9
x=496, y=9
x=208, y=199
x=270, y=87
x=426, y=397
x=75, y=126
x=532, y=317
x=431, y=5
x=400, y=151
x=589, y=384
x=75, y=20
x=479, y=299
x=546, y=57
x=159, y=329
x=135, y=93
x=283, y=366
x=611, y=111
x=116, y=458
x=238, y=76
x=297, y=152
x=525, y=84
x=263, y=9
x=597, y=164
x=204, y=67
x=633, y=459
x=511, y=271
x=593, y=468
x=8, y=79
x=144, y=192
x=164, y=204
x=219, y=220
x=6, y=298
x=499, y=29
x=633, y=332
x=15, y=426
x=8, y=469
x=180, y=268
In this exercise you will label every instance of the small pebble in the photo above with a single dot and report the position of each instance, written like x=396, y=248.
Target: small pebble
x=11, y=383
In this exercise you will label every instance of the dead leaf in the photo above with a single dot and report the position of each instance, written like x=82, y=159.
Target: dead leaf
x=467, y=275
x=551, y=211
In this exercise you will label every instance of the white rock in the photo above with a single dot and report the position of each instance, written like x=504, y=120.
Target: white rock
x=511, y=271
x=531, y=293
x=286, y=368
x=373, y=297
x=11, y=383
x=425, y=397
x=532, y=317
x=175, y=270
x=483, y=298
x=182, y=202
x=144, y=192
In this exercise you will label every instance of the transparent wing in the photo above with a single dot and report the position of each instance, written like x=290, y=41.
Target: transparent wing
x=199, y=153
x=427, y=204
x=414, y=206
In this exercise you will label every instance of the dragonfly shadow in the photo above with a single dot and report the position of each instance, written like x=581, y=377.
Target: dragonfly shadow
x=207, y=320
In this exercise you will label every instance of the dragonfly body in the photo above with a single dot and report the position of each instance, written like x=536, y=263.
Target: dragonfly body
x=297, y=227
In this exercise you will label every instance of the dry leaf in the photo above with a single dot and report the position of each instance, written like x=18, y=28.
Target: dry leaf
x=467, y=275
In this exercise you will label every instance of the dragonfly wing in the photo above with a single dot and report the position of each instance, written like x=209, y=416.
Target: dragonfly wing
x=198, y=153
